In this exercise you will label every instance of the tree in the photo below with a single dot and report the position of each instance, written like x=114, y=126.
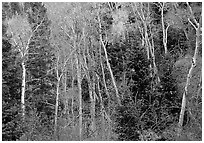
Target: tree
x=106, y=57
x=29, y=34
x=101, y=71
x=11, y=83
x=197, y=27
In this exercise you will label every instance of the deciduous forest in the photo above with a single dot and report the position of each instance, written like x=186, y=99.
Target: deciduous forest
x=103, y=71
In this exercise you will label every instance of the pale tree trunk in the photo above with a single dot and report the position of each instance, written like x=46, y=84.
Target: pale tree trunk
x=91, y=88
x=146, y=40
x=65, y=91
x=72, y=100
x=56, y=110
x=106, y=90
x=93, y=100
x=111, y=73
x=23, y=90
x=59, y=77
x=163, y=28
x=91, y=106
x=108, y=64
x=101, y=110
x=197, y=27
x=79, y=94
x=145, y=36
x=56, y=100
x=23, y=47
x=153, y=59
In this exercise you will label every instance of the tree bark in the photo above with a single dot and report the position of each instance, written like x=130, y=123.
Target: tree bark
x=79, y=94
x=65, y=91
x=101, y=111
x=56, y=110
x=106, y=90
x=23, y=90
x=163, y=29
x=56, y=100
x=73, y=78
x=93, y=100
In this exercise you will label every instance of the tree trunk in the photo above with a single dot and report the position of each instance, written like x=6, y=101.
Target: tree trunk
x=197, y=27
x=65, y=92
x=23, y=90
x=108, y=64
x=111, y=73
x=72, y=100
x=164, y=30
x=101, y=111
x=57, y=100
x=145, y=38
x=56, y=110
x=93, y=100
x=80, y=95
x=154, y=61
x=106, y=91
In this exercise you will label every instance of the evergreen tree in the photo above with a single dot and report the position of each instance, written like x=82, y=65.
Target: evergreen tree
x=11, y=84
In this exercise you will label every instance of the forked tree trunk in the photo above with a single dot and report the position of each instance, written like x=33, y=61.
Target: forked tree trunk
x=57, y=100
x=164, y=29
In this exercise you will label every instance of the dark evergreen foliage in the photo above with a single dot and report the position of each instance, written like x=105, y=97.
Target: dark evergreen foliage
x=11, y=84
x=149, y=109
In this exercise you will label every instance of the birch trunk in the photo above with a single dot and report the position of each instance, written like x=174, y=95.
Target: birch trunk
x=80, y=95
x=163, y=29
x=108, y=64
x=106, y=90
x=65, y=93
x=56, y=100
x=23, y=90
x=92, y=105
x=101, y=111
x=93, y=125
x=145, y=38
x=197, y=27
x=72, y=100
x=56, y=110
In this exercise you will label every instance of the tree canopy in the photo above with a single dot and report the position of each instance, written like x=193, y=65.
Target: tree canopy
x=101, y=71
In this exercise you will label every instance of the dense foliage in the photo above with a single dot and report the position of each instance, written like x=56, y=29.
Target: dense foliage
x=101, y=71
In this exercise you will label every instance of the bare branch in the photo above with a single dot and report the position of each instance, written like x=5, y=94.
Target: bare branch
x=192, y=15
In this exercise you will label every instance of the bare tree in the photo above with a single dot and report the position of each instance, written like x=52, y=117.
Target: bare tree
x=21, y=32
x=197, y=27
x=164, y=30
x=107, y=61
x=147, y=37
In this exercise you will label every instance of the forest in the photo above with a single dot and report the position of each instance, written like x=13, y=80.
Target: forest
x=101, y=71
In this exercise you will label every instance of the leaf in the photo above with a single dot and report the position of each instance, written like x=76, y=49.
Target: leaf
x=19, y=29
